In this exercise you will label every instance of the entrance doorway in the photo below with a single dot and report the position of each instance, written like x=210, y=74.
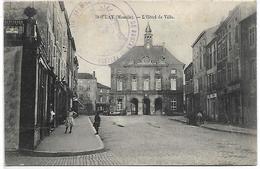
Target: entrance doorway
x=146, y=106
x=158, y=105
x=134, y=106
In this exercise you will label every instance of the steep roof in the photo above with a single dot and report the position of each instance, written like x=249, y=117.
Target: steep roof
x=190, y=65
x=85, y=76
x=154, y=53
x=209, y=33
x=99, y=85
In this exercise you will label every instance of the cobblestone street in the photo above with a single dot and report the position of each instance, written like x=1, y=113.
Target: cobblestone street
x=104, y=158
x=156, y=140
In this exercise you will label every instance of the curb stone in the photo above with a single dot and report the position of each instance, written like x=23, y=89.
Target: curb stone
x=216, y=129
x=228, y=131
x=98, y=137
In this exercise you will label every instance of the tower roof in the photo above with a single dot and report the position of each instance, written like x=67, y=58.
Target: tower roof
x=148, y=28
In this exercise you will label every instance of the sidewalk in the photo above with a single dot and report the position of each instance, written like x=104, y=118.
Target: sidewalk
x=81, y=141
x=219, y=127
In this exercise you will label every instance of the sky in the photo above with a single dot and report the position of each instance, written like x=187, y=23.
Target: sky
x=105, y=38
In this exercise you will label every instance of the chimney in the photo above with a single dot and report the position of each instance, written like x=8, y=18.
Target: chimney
x=94, y=74
x=163, y=47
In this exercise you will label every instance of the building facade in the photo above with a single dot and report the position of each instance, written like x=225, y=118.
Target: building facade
x=147, y=80
x=31, y=40
x=229, y=65
x=87, y=92
x=248, y=70
x=211, y=68
x=189, y=89
x=103, y=98
x=199, y=59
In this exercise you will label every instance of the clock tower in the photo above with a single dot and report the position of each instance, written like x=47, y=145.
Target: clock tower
x=148, y=37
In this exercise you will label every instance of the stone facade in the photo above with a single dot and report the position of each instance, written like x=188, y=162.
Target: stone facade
x=230, y=92
x=87, y=92
x=12, y=81
x=189, y=88
x=103, y=98
x=42, y=30
x=147, y=80
x=211, y=68
x=199, y=59
x=248, y=70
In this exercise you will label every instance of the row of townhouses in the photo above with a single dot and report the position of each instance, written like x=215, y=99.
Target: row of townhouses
x=40, y=70
x=221, y=80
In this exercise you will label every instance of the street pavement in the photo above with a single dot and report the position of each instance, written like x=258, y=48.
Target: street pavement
x=82, y=139
x=156, y=140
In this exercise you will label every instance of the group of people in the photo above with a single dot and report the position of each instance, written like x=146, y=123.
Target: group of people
x=69, y=121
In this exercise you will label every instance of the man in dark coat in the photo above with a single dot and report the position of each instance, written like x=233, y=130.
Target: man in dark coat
x=97, y=122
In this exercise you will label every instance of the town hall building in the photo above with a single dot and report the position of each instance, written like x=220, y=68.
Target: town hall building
x=147, y=80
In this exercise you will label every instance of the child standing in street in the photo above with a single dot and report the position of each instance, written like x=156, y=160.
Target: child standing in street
x=69, y=123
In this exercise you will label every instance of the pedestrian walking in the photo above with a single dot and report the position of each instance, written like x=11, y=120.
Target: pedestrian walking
x=69, y=123
x=96, y=123
x=199, y=118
